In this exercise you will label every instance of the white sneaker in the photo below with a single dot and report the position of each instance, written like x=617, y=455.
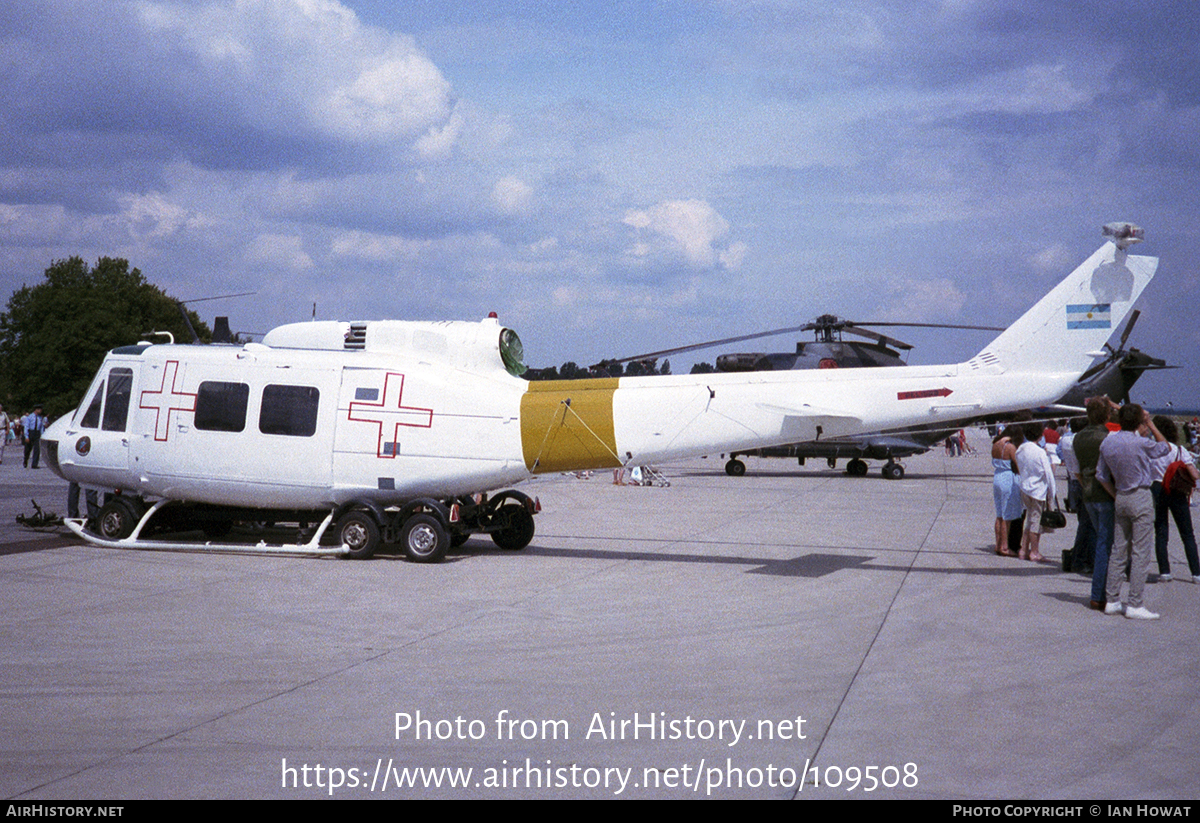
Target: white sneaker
x=1165, y=578
x=1196, y=579
x=1141, y=613
x=1115, y=608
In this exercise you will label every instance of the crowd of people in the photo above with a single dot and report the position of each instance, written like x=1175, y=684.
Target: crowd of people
x=957, y=444
x=1127, y=473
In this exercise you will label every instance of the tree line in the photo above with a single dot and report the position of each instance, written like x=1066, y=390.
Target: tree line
x=609, y=368
x=54, y=335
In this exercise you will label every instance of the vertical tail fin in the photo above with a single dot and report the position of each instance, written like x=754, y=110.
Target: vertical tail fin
x=1067, y=329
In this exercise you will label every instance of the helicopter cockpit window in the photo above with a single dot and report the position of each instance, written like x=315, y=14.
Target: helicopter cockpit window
x=116, y=410
x=512, y=353
x=91, y=417
x=221, y=407
x=289, y=410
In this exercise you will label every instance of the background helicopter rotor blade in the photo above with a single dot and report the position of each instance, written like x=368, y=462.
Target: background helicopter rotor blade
x=694, y=346
x=928, y=325
x=823, y=323
x=882, y=339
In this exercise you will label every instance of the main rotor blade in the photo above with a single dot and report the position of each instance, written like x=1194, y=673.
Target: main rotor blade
x=217, y=297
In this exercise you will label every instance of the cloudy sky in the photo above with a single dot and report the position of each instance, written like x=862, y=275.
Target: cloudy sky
x=610, y=177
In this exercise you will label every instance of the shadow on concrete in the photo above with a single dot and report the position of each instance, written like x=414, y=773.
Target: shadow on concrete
x=813, y=565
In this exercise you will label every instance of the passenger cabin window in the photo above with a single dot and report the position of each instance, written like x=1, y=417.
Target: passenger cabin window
x=221, y=407
x=116, y=410
x=289, y=410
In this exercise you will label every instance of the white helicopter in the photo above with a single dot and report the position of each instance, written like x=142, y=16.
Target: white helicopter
x=399, y=432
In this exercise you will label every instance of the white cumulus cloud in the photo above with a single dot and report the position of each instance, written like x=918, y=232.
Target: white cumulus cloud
x=692, y=227
x=280, y=63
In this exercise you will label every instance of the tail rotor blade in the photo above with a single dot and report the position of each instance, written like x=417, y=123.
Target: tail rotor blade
x=1129, y=328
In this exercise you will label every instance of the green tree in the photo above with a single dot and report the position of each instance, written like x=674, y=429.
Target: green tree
x=53, y=336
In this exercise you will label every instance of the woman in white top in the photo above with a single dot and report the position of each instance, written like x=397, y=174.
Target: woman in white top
x=1178, y=503
x=1036, y=480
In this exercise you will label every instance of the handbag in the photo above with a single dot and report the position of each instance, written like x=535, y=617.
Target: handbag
x=1053, y=518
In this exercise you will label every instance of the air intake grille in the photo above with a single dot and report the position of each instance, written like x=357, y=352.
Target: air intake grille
x=356, y=338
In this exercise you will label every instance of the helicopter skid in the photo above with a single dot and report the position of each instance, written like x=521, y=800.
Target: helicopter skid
x=310, y=549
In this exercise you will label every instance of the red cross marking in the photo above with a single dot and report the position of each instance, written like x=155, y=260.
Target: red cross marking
x=389, y=410
x=167, y=401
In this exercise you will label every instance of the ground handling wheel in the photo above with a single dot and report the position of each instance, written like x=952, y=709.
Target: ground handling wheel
x=735, y=468
x=423, y=539
x=358, y=531
x=518, y=531
x=117, y=519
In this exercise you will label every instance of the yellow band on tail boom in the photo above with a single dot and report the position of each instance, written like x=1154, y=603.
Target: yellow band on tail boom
x=567, y=425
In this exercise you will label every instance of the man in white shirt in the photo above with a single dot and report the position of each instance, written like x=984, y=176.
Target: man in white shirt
x=1036, y=479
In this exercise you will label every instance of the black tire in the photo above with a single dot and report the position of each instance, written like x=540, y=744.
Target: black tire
x=424, y=539
x=519, y=531
x=857, y=468
x=116, y=520
x=735, y=468
x=359, y=532
x=893, y=471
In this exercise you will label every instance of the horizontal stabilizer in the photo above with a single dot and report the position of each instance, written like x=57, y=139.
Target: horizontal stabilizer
x=805, y=422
